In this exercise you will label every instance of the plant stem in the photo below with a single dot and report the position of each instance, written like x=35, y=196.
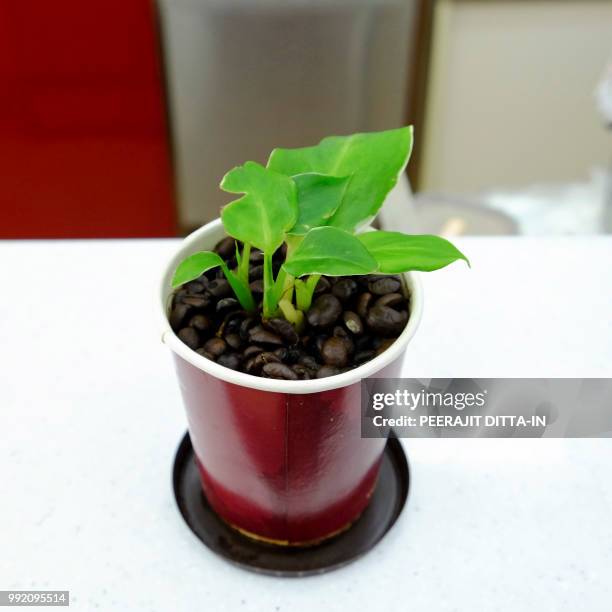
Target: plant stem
x=241, y=289
x=243, y=268
x=269, y=301
x=304, y=291
x=294, y=316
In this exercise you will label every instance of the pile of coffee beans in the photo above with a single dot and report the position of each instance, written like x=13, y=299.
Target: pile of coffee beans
x=351, y=320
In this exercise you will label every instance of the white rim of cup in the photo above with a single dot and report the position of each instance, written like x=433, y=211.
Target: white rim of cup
x=214, y=229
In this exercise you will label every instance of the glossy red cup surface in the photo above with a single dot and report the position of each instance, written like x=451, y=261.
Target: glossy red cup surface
x=285, y=467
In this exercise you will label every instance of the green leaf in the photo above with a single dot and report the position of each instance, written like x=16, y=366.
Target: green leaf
x=373, y=161
x=397, y=252
x=331, y=251
x=266, y=212
x=318, y=197
x=194, y=266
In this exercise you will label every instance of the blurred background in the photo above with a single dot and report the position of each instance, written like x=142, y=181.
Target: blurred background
x=118, y=118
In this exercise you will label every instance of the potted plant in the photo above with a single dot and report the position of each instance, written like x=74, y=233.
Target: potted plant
x=275, y=312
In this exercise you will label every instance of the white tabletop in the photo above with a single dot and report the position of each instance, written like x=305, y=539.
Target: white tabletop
x=90, y=416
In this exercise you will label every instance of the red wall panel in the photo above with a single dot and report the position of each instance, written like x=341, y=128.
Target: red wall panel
x=83, y=140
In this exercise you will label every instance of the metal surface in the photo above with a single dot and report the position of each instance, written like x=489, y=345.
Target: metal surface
x=244, y=77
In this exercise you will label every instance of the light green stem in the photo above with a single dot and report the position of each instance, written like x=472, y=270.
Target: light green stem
x=269, y=301
x=304, y=291
x=241, y=289
x=243, y=268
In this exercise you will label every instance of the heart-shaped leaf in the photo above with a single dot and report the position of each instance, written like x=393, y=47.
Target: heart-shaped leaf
x=395, y=252
x=330, y=251
x=266, y=212
x=318, y=197
x=194, y=266
x=373, y=161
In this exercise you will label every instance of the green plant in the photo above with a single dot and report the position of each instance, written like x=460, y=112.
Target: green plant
x=317, y=200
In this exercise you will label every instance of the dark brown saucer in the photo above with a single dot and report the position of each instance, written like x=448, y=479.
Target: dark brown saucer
x=387, y=502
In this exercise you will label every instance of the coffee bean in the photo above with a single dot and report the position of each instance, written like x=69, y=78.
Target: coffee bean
x=293, y=354
x=325, y=310
x=177, y=315
x=233, y=340
x=363, y=281
x=384, y=345
x=363, y=303
x=334, y=352
x=256, y=272
x=229, y=360
x=308, y=362
x=204, y=353
x=226, y=248
x=256, y=256
x=194, y=287
x=340, y=332
x=200, y=322
x=266, y=357
x=302, y=371
x=322, y=286
x=282, y=353
x=283, y=328
x=227, y=304
x=197, y=301
x=279, y=370
x=251, y=351
x=345, y=289
x=384, y=285
x=315, y=345
x=281, y=252
x=263, y=336
x=257, y=286
x=327, y=370
x=215, y=346
x=353, y=322
x=245, y=327
x=363, y=356
x=255, y=364
x=232, y=322
x=391, y=299
x=219, y=288
x=190, y=337
x=386, y=321
x=363, y=342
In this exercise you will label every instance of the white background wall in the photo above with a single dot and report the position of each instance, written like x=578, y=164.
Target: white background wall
x=511, y=99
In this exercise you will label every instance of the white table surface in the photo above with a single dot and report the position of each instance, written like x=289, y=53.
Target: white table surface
x=90, y=417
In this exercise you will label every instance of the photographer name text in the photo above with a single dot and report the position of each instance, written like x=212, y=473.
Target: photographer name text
x=460, y=420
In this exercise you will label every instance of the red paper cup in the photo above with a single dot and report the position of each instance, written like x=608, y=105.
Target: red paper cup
x=281, y=461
